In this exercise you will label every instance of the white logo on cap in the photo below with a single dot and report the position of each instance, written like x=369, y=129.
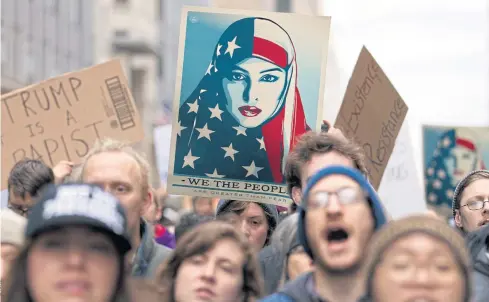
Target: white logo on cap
x=75, y=200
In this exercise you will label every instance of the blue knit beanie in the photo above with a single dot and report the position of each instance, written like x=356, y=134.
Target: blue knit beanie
x=374, y=201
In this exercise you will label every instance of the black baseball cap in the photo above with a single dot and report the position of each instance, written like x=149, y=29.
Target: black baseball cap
x=79, y=205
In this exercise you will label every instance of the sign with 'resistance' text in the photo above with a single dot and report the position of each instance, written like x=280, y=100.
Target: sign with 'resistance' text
x=372, y=114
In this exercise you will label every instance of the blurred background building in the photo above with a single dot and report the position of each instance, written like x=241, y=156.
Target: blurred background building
x=46, y=38
x=42, y=39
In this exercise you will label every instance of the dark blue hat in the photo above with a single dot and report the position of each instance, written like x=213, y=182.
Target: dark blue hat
x=79, y=205
x=374, y=201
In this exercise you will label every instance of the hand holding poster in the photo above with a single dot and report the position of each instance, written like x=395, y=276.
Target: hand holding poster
x=372, y=114
x=248, y=84
x=60, y=118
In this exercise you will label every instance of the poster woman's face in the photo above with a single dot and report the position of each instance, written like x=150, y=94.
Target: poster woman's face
x=253, y=89
x=460, y=162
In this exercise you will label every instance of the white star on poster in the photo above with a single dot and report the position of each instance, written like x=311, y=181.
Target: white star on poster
x=437, y=184
x=194, y=107
x=214, y=174
x=232, y=46
x=209, y=69
x=441, y=174
x=252, y=169
x=180, y=128
x=204, y=132
x=449, y=194
x=216, y=112
x=240, y=130
x=432, y=197
x=218, y=51
x=188, y=160
x=229, y=151
x=262, y=143
x=431, y=171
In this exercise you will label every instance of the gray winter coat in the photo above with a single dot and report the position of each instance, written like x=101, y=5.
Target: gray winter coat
x=149, y=254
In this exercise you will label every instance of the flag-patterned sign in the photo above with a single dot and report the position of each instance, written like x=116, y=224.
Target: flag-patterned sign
x=245, y=114
x=450, y=154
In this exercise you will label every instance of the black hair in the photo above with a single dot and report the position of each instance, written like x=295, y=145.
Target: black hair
x=28, y=176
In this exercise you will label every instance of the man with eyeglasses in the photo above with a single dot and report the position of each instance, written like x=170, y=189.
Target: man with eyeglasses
x=337, y=218
x=471, y=201
x=339, y=213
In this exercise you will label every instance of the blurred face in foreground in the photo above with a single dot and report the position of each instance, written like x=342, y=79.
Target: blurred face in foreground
x=72, y=264
x=216, y=275
x=418, y=267
x=9, y=253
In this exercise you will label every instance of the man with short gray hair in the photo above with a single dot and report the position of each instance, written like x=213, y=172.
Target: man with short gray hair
x=122, y=171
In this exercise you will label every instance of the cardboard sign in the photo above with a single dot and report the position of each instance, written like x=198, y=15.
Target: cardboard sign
x=60, y=118
x=372, y=114
x=248, y=84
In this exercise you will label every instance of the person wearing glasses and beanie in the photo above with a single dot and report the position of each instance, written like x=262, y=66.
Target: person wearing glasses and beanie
x=471, y=201
x=339, y=213
x=76, y=242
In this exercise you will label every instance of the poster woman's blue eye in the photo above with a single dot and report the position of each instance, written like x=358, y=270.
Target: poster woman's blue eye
x=237, y=76
x=268, y=78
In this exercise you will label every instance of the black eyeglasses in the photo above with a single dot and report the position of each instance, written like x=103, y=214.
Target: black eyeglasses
x=346, y=196
x=22, y=211
x=476, y=204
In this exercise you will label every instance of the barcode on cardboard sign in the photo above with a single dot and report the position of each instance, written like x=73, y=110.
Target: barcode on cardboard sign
x=121, y=103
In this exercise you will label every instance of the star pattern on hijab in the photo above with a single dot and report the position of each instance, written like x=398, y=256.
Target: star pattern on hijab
x=211, y=125
x=439, y=189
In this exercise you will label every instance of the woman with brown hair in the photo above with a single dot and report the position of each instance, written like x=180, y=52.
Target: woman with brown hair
x=257, y=221
x=213, y=262
x=76, y=242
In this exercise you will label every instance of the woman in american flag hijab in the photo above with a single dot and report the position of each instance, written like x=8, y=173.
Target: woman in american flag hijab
x=456, y=155
x=243, y=117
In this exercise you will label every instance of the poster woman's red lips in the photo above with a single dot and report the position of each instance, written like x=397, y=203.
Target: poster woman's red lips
x=249, y=111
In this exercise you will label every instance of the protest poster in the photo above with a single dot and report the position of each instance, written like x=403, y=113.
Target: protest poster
x=450, y=153
x=401, y=189
x=372, y=114
x=248, y=84
x=60, y=118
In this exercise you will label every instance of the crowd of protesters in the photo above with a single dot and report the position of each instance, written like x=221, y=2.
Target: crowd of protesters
x=98, y=232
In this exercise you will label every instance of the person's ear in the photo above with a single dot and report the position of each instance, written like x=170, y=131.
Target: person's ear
x=148, y=200
x=458, y=219
x=297, y=195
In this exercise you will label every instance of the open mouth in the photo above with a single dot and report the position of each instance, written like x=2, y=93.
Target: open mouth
x=337, y=235
x=249, y=111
